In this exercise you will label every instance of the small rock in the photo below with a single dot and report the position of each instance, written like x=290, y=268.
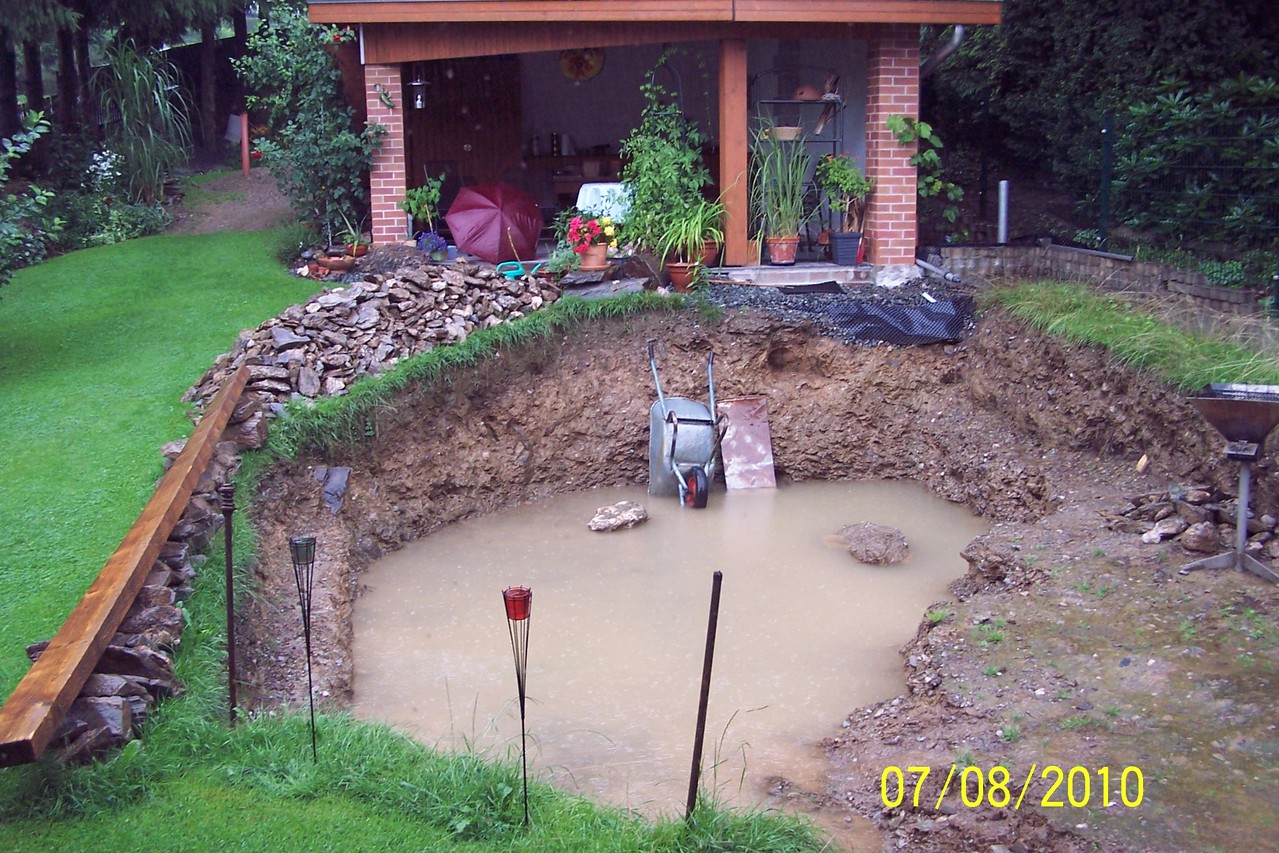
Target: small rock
x=876, y=544
x=1165, y=528
x=620, y=515
x=1201, y=538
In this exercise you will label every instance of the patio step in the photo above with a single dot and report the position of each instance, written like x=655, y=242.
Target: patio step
x=812, y=272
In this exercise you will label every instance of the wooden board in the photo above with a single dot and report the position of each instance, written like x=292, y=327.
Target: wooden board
x=32, y=712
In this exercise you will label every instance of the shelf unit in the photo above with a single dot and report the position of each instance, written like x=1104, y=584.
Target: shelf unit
x=808, y=115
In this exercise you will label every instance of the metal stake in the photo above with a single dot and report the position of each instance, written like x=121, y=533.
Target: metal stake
x=519, y=611
x=704, y=699
x=226, y=497
x=302, y=551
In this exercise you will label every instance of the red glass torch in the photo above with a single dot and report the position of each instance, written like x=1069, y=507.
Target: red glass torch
x=519, y=609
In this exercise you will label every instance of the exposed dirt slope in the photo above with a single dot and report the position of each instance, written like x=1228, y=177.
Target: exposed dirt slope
x=1039, y=438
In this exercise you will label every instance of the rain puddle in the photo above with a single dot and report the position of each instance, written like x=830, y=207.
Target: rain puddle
x=617, y=638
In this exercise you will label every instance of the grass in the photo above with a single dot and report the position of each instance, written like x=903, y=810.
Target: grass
x=96, y=348
x=1185, y=360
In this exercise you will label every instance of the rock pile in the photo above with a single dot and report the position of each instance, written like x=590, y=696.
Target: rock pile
x=321, y=347
x=1199, y=518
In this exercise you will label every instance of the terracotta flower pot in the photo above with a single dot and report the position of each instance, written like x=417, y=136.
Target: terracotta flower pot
x=358, y=250
x=595, y=257
x=682, y=276
x=342, y=264
x=782, y=250
x=710, y=253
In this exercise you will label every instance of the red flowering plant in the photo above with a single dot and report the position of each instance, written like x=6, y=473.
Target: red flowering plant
x=586, y=229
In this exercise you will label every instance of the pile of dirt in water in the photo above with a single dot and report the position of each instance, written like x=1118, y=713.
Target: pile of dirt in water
x=1067, y=645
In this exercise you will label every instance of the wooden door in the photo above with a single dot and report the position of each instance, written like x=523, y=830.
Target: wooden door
x=470, y=126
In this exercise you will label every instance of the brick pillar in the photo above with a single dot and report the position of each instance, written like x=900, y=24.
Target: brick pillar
x=892, y=88
x=387, y=178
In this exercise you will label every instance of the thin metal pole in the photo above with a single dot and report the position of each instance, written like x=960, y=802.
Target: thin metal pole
x=1107, y=174
x=226, y=496
x=302, y=552
x=704, y=699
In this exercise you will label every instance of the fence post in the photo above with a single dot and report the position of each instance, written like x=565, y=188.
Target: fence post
x=1107, y=162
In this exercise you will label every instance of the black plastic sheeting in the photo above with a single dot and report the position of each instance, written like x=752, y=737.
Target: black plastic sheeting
x=903, y=325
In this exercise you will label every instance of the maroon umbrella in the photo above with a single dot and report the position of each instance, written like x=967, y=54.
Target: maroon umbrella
x=495, y=222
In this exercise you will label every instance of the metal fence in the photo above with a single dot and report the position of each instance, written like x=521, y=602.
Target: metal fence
x=1213, y=192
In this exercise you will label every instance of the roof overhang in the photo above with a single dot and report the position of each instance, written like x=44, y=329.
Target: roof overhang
x=631, y=11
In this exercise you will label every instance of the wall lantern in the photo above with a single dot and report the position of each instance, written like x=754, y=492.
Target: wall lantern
x=417, y=89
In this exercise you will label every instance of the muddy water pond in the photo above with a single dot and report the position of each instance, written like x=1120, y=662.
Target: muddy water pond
x=806, y=634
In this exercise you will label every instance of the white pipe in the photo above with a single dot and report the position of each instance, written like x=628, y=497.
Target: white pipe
x=1003, y=213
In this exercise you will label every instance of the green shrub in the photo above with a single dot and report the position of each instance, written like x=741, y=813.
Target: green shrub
x=26, y=225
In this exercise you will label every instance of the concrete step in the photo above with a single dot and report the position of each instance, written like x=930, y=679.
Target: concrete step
x=807, y=272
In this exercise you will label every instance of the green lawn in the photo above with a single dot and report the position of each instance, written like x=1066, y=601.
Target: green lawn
x=96, y=348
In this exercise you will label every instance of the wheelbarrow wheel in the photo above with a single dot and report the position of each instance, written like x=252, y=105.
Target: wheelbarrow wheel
x=695, y=494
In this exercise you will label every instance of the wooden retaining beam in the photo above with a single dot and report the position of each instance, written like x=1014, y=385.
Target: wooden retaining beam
x=37, y=705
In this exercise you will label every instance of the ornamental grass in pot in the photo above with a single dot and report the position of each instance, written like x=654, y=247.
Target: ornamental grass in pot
x=779, y=184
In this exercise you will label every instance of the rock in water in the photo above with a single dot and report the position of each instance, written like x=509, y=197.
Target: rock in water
x=875, y=543
x=620, y=515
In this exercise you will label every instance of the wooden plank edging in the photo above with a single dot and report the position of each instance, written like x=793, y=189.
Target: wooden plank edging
x=32, y=712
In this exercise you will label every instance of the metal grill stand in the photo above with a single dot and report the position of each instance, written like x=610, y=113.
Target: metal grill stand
x=1245, y=415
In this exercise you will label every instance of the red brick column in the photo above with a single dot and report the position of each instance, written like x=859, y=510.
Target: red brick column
x=892, y=88
x=387, y=178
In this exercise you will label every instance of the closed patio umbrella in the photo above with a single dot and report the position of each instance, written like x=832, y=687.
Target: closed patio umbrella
x=496, y=222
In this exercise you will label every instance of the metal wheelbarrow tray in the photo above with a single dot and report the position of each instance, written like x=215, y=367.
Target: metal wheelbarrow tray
x=683, y=439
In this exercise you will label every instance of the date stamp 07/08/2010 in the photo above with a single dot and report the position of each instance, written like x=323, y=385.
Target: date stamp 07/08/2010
x=1058, y=787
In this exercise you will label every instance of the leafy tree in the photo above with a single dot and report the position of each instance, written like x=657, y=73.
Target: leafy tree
x=318, y=158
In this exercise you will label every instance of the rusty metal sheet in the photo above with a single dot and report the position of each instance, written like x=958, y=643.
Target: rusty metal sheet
x=747, y=448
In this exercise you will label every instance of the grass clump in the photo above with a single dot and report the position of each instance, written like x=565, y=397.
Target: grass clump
x=1183, y=359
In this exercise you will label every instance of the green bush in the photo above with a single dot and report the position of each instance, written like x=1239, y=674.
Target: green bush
x=1199, y=167
x=26, y=224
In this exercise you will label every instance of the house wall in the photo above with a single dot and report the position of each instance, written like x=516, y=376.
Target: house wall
x=892, y=89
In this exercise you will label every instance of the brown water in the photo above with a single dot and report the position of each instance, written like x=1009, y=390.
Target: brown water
x=806, y=634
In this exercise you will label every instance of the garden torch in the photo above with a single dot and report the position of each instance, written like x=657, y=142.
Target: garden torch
x=519, y=607
x=302, y=550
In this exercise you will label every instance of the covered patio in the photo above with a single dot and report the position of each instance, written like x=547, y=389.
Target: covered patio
x=540, y=94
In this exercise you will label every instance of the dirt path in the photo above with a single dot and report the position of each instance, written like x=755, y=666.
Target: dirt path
x=1068, y=644
x=234, y=202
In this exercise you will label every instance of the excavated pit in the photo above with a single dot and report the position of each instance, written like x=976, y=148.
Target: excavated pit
x=1035, y=437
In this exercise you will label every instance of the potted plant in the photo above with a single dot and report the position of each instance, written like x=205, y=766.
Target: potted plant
x=590, y=237
x=683, y=241
x=422, y=205
x=352, y=237
x=779, y=184
x=435, y=246
x=664, y=168
x=846, y=188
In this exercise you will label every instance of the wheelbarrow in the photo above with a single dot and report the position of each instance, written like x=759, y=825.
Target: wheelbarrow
x=683, y=438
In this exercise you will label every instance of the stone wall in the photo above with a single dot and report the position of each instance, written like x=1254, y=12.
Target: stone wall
x=1110, y=272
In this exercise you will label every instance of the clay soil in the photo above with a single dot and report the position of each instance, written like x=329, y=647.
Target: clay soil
x=1068, y=643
